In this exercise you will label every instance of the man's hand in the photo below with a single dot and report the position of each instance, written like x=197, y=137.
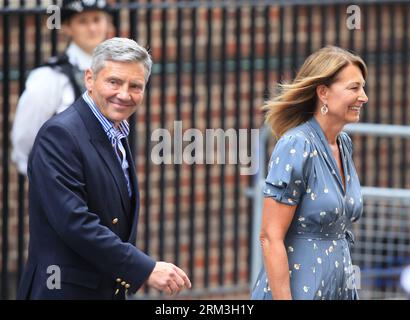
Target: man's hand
x=168, y=278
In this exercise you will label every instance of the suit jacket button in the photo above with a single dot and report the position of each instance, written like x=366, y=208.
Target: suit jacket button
x=115, y=221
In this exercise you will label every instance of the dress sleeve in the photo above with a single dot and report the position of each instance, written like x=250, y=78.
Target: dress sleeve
x=288, y=170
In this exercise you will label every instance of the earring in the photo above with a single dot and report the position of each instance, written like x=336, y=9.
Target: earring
x=324, y=109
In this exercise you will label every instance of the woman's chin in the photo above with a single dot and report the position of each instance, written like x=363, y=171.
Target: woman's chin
x=353, y=118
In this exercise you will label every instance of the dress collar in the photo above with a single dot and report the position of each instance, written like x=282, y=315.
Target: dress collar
x=318, y=131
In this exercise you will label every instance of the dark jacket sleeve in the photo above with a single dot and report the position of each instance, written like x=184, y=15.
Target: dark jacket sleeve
x=56, y=172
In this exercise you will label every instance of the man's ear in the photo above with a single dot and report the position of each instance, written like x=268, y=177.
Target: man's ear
x=89, y=79
x=321, y=92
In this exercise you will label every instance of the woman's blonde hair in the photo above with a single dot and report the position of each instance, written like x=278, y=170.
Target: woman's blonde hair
x=296, y=101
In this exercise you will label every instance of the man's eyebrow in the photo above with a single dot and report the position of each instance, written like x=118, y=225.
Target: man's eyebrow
x=113, y=78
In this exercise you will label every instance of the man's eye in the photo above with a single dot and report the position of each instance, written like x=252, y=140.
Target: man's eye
x=136, y=87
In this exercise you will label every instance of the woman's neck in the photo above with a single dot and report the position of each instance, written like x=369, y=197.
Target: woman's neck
x=330, y=129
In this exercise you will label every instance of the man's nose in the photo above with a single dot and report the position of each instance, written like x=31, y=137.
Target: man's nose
x=123, y=93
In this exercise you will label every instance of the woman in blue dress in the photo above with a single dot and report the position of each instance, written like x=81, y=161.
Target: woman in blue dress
x=312, y=191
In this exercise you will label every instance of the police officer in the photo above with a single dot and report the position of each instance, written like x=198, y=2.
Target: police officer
x=53, y=87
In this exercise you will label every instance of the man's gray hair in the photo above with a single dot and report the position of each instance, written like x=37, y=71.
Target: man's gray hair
x=120, y=50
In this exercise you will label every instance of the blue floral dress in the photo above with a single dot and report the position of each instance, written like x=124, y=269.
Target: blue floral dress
x=303, y=172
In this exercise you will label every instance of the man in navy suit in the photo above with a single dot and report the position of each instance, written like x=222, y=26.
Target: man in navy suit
x=83, y=191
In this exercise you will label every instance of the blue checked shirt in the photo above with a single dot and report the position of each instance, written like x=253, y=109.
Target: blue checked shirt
x=114, y=135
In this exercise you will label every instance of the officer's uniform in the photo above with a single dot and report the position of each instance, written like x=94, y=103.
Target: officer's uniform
x=51, y=88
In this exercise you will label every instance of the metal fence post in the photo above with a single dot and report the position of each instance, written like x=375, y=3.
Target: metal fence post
x=256, y=193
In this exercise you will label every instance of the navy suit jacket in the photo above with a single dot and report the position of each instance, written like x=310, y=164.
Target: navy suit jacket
x=82, y=219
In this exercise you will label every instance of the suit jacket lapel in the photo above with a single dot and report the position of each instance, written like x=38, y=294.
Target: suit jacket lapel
x=103, y=146
x=135, y=200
